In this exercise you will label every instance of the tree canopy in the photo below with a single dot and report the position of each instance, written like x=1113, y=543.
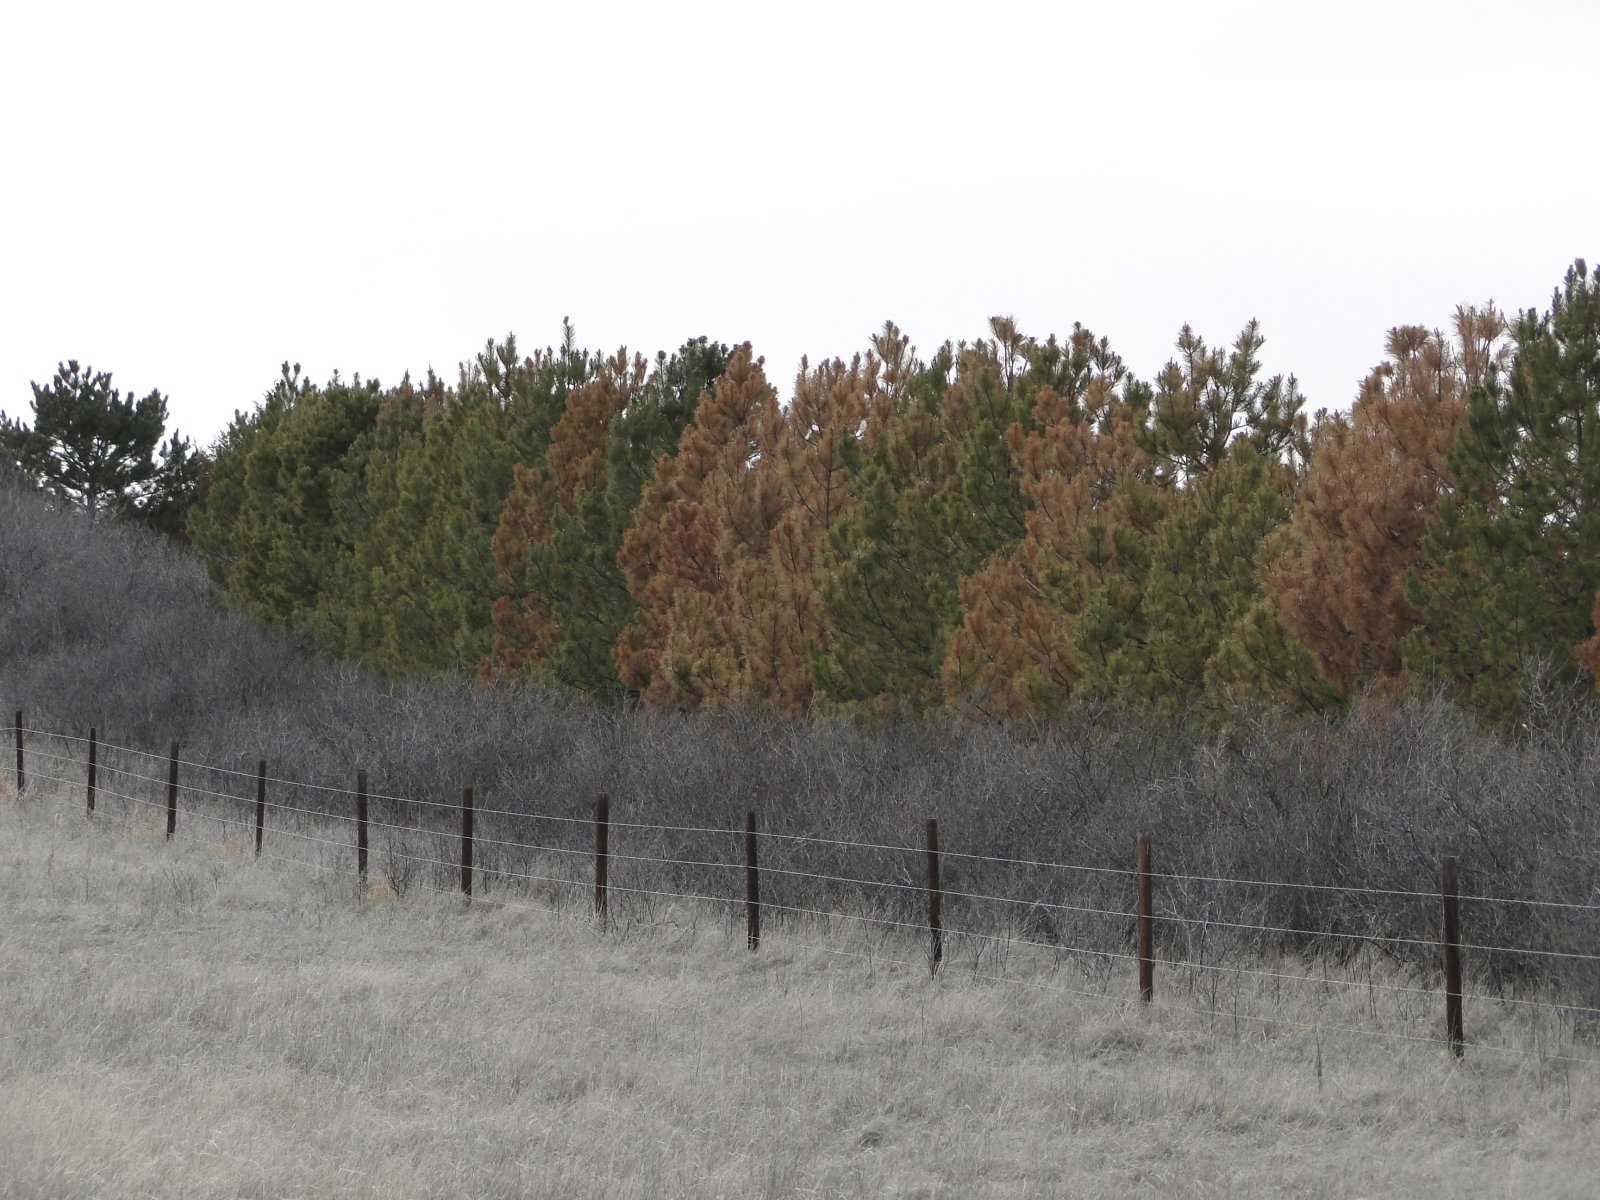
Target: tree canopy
x=92, y=446
x=1002, y=529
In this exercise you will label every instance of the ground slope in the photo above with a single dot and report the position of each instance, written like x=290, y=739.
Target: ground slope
x=182, y=1021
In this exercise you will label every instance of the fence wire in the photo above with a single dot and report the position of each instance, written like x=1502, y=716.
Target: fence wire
x=955, y=935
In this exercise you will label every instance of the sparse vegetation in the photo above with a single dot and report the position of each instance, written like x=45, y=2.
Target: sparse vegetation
x=182, y=1022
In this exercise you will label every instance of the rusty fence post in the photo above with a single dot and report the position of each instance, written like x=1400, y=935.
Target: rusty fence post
x=261, y=801
x=361, y=826
x=752, y=885
x=1147, y=952
x=172, y=792
x=20, y=780
x=1452, y=956
x=935, y=899
x=466, y=842
x=602, y=852
x=94, y=746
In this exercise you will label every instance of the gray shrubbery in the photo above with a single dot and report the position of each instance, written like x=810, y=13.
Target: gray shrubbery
x=105, y=625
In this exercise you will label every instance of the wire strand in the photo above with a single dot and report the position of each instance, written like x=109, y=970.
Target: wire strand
x=882, y=847
x=980, y=897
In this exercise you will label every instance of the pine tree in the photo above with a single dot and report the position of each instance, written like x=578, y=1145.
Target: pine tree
x=363, y=517
x=1338, y=580
x=563, y=599
x=1511, y=560
x=1148, y=507
x=424, y=565
x=277, y=527
x=524, y=631
x=936, y=493
x=1015, y=653
x=540, y=572
x=1204, y=576
x=1229, y=446
x=379, y=510
x=679, y=649
x=1206, y=399
x=91, y=446
x=795, y=493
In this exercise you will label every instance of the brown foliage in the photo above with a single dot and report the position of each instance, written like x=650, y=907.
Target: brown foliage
x=1014, y=653
x=728, y=537
x=777, y=617
x=1588, y=652
x=697, y=514
x=524, y=631
x=577, y=455
x=1340, y=583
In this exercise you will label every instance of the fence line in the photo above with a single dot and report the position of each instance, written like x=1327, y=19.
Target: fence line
x=1168, y=918
x=1144, y=917
x=539, y=847
x=1004, y=979
x=1039, y=904
x=954, y=931
x=735, y=832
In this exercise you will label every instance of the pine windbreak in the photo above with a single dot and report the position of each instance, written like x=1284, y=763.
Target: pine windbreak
x=998, y=529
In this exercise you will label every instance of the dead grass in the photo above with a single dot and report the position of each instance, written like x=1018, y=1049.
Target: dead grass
x=181, y=1021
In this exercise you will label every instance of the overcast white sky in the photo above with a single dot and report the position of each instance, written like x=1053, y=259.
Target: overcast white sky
x=196, y=193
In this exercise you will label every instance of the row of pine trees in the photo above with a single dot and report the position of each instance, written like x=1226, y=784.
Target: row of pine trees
x=1000, y=530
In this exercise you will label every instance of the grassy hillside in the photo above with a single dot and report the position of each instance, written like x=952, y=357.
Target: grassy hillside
x=182, y=1021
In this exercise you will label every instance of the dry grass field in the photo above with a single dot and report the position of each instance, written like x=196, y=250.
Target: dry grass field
x=181, y=1021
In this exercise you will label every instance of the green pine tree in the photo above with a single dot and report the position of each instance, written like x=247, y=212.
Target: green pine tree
x=1511, y=561
x=1204, y=574
x=91, y=446
x=282, y=518
x=938, y=494
x=587, y=596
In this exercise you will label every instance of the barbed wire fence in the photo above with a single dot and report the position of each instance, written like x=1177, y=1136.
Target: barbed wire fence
x=1114, y=935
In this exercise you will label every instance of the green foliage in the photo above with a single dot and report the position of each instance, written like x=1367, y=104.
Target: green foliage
x=91, y=446
x=362, y=517
x=1207, y=399
x=1012, y=527
x=1203, y=574
x=1225, y=442
x=1106, y=594
x=888, y=597
x=937, y=495
x=1511, y=562
x=419, y=571
x=577, y=573
x=282, y=517
x=655, y=420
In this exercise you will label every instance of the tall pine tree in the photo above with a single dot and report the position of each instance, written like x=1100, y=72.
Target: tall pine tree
x=679, y=649
x=92, y=446
x=1338, y=579
x=1016, y=651
x=564, y=600
x=1511, y=561
x=936, y=493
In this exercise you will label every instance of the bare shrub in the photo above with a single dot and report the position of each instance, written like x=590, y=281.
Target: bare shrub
x=109, y=626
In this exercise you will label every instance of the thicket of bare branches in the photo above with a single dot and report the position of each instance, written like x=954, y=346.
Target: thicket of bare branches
x=105, y=625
